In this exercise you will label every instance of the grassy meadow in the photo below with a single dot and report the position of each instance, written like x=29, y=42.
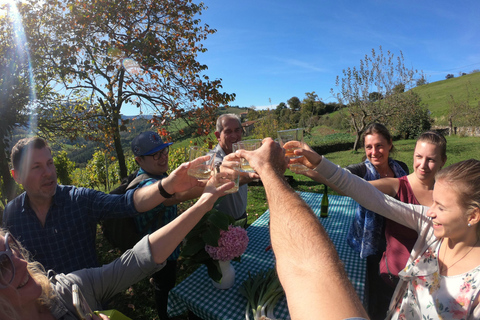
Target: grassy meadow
x=436, y=95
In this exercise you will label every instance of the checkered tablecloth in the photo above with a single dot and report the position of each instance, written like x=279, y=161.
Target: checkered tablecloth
x=197, y=293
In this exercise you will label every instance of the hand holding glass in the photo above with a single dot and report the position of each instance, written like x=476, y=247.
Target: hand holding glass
x=292, y=140
x=248, y=145
x=228, y=171
x=204, y=169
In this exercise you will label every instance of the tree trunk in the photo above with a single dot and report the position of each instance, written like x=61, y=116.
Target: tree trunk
x=357, y=141
x=119, y=150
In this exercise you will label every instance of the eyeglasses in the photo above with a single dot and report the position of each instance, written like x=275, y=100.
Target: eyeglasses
x=158, y=154
x=7, y=268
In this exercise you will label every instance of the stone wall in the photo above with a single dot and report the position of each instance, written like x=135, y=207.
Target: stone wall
x=463, y=131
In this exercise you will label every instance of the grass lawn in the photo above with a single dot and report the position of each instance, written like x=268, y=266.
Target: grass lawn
x=137, y=302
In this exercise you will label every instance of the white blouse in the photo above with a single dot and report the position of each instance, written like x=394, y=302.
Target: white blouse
x=417, y=295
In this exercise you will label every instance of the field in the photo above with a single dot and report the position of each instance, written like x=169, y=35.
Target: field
x=137, y=302
x=436, y=95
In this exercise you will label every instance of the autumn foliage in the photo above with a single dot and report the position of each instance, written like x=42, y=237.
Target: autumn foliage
x=114, y=53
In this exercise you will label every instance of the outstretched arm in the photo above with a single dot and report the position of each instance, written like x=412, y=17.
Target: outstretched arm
x=308, y=265
x=311, y=159
x=410, y=215
x=148, y=197
x=166, y=239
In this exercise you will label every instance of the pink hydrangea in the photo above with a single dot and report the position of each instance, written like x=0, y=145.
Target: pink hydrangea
x=231, y=244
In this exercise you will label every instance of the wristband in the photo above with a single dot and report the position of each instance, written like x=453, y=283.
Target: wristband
x=162, y=191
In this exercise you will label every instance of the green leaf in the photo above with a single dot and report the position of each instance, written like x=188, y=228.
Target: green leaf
x=200, y=257
x=211, y=236
x=192, y=248
x=196, y=232
x=214, y=270
x=240, y=223
x=220, y=220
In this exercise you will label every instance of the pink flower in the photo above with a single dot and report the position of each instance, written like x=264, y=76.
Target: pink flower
x=466, y=287
x=231, y=244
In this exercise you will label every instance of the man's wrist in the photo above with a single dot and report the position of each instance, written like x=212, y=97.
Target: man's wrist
x=163, y=192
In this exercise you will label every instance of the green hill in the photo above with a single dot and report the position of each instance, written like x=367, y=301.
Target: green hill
x=436, y=95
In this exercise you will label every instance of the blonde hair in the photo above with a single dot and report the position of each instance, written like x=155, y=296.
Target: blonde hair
x=436, y=139
x=37, y=272
x=464, y=178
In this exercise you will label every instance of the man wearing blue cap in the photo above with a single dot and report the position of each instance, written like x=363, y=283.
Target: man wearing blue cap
x=58, y=223
x=151, y=154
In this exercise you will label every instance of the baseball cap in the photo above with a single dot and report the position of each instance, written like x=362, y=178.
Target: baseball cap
x=148, y=142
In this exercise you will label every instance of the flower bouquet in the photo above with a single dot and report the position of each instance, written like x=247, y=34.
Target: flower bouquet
x=216, y=238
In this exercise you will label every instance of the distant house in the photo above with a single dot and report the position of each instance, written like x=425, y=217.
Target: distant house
x=248, y=126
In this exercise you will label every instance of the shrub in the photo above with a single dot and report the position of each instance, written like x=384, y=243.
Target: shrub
x=64, y=167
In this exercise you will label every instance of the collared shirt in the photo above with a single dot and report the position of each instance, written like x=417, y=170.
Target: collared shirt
x=67, y=240
x=233, y=204
x=150, y=221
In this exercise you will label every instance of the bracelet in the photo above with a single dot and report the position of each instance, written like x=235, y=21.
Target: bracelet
x=162, y=191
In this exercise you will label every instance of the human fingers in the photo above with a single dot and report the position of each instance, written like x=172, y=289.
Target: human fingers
x=231, y=157
x=312, y=157
x=270, y=154
x=216, y=183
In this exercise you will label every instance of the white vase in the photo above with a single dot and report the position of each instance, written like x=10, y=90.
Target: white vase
x=228, y=275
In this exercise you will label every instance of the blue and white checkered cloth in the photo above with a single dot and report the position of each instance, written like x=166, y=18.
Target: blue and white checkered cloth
x=196, y=293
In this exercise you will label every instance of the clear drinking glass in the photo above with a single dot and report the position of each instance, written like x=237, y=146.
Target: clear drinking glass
x=292, y=140
x=203, y=170
x=228, y=171
x=249, y=145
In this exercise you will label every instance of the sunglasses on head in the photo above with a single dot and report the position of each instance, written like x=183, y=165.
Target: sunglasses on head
x=7, y=268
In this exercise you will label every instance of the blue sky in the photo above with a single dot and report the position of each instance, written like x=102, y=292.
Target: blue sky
x=272, y=50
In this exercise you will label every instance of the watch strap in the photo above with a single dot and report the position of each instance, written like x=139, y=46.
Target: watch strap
x=162, y=191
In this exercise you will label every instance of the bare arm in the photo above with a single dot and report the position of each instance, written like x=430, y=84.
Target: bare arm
x=308, y=265
x=148, y=197
x=179, y=197
x=388, y=186
x=166, y=239
x=312, y=162
x=312, y=159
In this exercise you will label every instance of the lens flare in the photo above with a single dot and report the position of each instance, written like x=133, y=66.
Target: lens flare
x=21, y=48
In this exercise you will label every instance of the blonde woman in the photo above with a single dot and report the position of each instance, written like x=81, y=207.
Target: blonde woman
x=441, y=279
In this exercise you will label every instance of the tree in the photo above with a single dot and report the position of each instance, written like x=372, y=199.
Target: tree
x=375, y=96
x=294, y=104
x=15, y=93
x=311, y=107
x=412, y=119
x=399, y=88
x=280, y=108
x=462, y=112
x=120, y=52
x=384, y=74
x=421, y=81
x=64, y=167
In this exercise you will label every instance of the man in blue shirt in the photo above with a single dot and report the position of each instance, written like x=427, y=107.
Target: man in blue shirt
x=57, y=223
x=151, y=154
